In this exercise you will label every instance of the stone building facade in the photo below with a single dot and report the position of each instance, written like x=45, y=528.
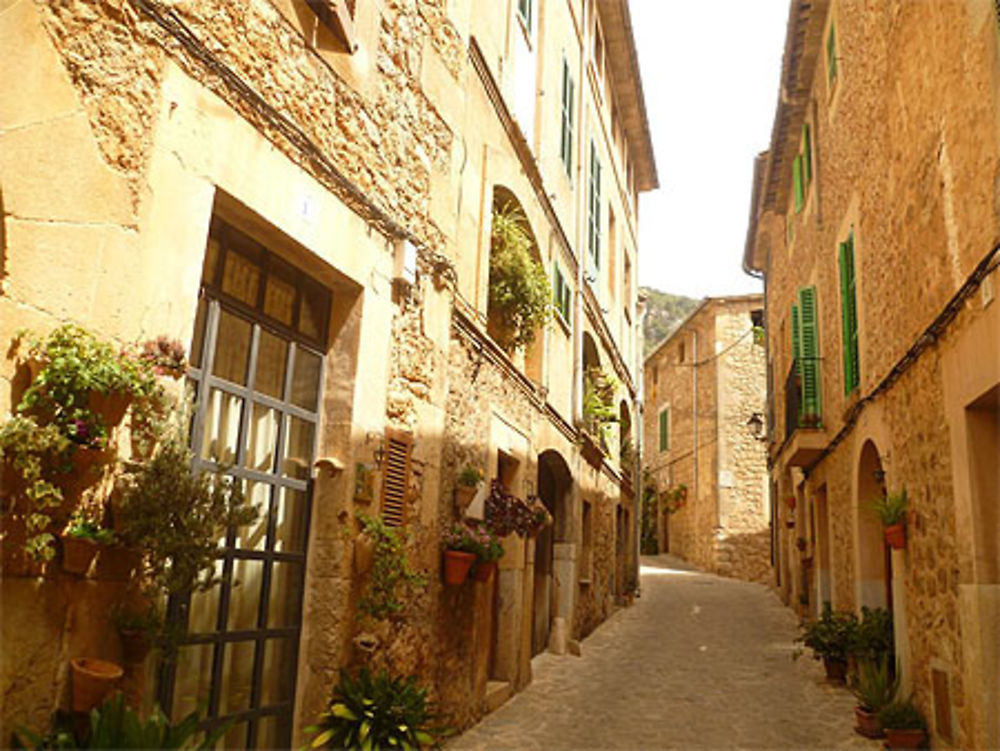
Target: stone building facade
x=156, y=156
x=875, y=226
x=710, y=472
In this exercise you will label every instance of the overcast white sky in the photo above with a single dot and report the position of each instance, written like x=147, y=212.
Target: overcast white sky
x=710, y=73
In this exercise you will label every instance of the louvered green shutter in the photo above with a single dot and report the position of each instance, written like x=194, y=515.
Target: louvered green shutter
x=809, y=333
x=797, y=183
x=849, y=316
x=796, y=340
x=594, y=208
x=807, y=163
x=664, y=430
x=566, y=136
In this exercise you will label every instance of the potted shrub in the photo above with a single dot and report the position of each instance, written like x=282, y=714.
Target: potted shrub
x=79, y=543
x=460, y=548
x=875, y=688
x=903, y=723
x=489, y=550
x=891, y=509
x=830, y=638
x=140, y=626
x=468, y=483
x=873, y=638
x=376, y=711
x=520, y=297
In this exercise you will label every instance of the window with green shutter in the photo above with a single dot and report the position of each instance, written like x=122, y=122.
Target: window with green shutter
x=810, y=405
x=797, y=183
x=594, y=208
x=849, y=315
x=566, y=134
x=665, y=429
x=562, y=297
x=831, y=55
x=524, y=11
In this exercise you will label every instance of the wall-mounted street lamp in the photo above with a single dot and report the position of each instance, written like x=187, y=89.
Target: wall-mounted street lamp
x=756, y=426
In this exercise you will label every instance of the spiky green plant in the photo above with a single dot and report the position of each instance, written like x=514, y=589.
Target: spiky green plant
x=891, y=509
x=374, y=712
x=874, y=685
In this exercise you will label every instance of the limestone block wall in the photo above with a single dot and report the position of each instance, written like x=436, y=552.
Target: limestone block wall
x=906, y=157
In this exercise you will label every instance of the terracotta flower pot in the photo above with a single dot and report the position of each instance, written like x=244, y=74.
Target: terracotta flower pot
x=913, y=738
x=895, y=536
x=457, y=565
x=111, y=408
x=483, y=571
x=93, y=680
x=116, y=563
x=77, y=553
x=836, y=670
x=135, y=646
x=463, y=496
x=868, y=723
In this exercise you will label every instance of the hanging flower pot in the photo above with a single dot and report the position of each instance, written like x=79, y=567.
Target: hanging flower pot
x=484, y=570
x=464, y=495
x=456, y=566
x=110, y=408
x=895, y=536
x=93, y=680
x=77, y=554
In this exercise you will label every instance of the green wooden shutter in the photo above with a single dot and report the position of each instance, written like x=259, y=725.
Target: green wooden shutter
x=664, y=429
x=831, y=55
x=594, y=208
x=809, y=333
x=797, y=183
x=566, y=134
x=807, y=168
x=796, y=340
x=849, y=315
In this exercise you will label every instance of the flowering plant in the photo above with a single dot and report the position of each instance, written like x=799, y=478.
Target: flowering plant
x=476, y=538
x=166, y=355
x=460, y=537
x=507, y=514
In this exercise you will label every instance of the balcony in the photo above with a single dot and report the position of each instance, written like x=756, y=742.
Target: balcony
x=805, y=437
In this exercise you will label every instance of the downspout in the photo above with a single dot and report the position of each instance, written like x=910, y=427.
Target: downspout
x=694, y=410
x=639, y=411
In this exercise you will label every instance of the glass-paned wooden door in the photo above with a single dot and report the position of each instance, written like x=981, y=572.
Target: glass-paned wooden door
x=257, y=369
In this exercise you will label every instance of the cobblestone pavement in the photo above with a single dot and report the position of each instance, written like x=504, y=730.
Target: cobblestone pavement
x=698, y=662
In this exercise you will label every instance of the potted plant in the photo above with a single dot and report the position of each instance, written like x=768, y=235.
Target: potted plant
x=376, y=711
x=830, y=638
x=873, y=639
x=469, y=479
x=903, y=723
x=165, y=355
x=875, y=688
x=520, y=297
x=891, y=509
x=460, y=548
x=79, y=543
x=140, y=626
x=488, y=549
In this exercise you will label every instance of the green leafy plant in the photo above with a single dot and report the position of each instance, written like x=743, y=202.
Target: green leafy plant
x=902, y=714
x=891, y=509
x=674, y=498
x=830, y=636
x=650, y=514
x=599, y=412
x=85, y=529
x=36, y=455
x=873, y=639
x=115, y=725
x=391, y=580
x=373, y=712
x=873, y=685
x=519, y=293
x=176, y=516
x=75, y=365
x=470, y=476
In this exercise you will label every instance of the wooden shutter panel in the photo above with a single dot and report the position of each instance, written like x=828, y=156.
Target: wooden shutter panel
x=809, y=333
x=597, y=210
x=396, y=476
x=850, y=292
x=664, y=430
x=807, y=168
x=845, y=319
x=797, y=183
x=796, y=343
x=564, y=134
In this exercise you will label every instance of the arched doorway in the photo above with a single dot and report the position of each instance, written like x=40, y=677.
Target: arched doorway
x=554, y=489
x=874, y=561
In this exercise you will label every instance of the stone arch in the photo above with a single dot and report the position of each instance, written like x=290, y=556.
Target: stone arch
x=554, y=559
x=505, y=200
x=874, y=566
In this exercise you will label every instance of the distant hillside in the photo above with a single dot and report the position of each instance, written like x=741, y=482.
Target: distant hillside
x=664, y=313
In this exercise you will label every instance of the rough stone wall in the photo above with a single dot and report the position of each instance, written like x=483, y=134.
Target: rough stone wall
x=743, y=539
x=906, y=153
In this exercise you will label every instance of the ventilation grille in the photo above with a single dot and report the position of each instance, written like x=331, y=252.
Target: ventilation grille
x=396, y=476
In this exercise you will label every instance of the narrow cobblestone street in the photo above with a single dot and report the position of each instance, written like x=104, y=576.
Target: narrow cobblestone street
x=698, y=662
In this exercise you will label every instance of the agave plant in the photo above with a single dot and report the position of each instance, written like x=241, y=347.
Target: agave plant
x=873, y=685
x=373, y=712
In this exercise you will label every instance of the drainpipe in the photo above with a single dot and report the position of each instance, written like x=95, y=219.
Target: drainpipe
x=640, y=401
x=694, y=410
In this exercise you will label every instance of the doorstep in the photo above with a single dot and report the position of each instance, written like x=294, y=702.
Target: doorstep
x=497, y=692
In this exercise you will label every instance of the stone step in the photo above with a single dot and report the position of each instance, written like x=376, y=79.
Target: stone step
x=497, y=692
